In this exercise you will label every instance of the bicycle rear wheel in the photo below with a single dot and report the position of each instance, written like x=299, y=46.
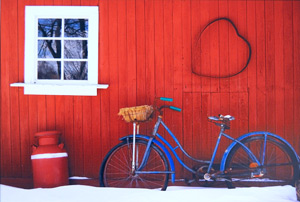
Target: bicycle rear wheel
x=279, y=167
x=116, y=168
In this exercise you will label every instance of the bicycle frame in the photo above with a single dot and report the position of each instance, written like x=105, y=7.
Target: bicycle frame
x=160, y=122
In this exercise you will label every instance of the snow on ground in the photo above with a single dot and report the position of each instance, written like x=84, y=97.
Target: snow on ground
x=82, y=193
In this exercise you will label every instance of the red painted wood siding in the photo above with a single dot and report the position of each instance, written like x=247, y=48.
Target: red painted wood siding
x=145, y=50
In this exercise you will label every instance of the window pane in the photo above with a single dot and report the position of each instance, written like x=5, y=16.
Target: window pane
x=76, y=49
x=49, y=49
x=76, y=70
x=49, y=70
x=49, y=27
x=76, y=27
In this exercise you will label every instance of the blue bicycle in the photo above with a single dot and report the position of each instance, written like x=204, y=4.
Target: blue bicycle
x=141, y=161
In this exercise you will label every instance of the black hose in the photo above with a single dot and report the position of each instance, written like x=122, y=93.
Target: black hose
x=247, y=42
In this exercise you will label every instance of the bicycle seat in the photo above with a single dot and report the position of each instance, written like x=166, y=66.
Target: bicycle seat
x=221, y=118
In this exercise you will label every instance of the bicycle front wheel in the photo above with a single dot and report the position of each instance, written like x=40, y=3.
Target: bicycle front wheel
x=116, y=169
x=279, y=165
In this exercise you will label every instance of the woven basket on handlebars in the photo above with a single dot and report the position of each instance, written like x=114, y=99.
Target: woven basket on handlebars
x=136, y=114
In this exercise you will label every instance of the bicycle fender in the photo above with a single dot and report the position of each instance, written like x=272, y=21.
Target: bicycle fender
x=162, y=147
x=227, y=151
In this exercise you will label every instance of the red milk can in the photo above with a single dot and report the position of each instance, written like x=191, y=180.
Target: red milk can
x=49, y=161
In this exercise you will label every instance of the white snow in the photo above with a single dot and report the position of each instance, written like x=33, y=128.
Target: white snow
x=82, y=193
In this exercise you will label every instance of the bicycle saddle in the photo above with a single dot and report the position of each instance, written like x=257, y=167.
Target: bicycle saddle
x=221, y=118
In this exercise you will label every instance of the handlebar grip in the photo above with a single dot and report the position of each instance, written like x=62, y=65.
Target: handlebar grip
x=175, y=108
x=166, y=99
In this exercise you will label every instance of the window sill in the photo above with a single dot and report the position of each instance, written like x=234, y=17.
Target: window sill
x=58, y=89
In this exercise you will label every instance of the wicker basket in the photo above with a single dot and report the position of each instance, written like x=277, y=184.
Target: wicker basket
x=136, y=114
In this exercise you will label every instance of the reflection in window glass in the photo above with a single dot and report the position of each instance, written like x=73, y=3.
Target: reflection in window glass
x=76, y=49
x=49, y=27
x=76, y=27
x=49, y=49
x=69, y=46
x=75, y=70
x=49, y=69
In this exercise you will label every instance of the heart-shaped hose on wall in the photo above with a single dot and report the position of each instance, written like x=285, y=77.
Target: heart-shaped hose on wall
x=218, y=52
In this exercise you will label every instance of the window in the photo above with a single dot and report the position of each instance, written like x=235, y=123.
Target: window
x=61, y=50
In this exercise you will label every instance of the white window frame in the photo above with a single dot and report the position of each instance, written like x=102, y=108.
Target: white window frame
x=32, y=85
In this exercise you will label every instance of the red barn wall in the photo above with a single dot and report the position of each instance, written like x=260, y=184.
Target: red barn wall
x=146, y=50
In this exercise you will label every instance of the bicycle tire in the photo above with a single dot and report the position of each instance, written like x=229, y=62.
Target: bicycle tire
x=115, y=170
x=280, y=166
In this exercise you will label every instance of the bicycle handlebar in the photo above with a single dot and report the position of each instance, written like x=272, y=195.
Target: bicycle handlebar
x=165, y=106
x=175, y=108
x=170, y=107
x=166, y=99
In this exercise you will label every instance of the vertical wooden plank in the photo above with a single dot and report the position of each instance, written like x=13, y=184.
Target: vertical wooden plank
x=188, y=124
x=158, y=48
x=150, y=37
x=25, y=136
x=69, y=132
x=182, y=37
x=168, y=67
x=122, y=54
x=131, y=52
x=58, y=2
x=114, y=71
x=296, y=29
x=261, y=67
x=140, y=52
x=67, y=2
x=214, y=44
x=270, y=66
x=243, y=112
x=242, y=48
x=14, y=92
x=87, y=134
x=168, y=21
x=196, y=125
x=95, y=141
x=205, y=19
x=215, y=110
x=279, y=70
x=233, y=41
x=193, y=82
x=76, y=2
x=234, y=111
x=215, y=70
x=224, y=47
x=207, y=139
x=123, y=69
x=78, y=137
x=6, y=153
x=225, y=109
x=288, y=65
x=50, y=112
x=48, y=2
x=59, y=110
x=41, y=110
x=251, y=28
x=187, y=44
x=91, y=3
